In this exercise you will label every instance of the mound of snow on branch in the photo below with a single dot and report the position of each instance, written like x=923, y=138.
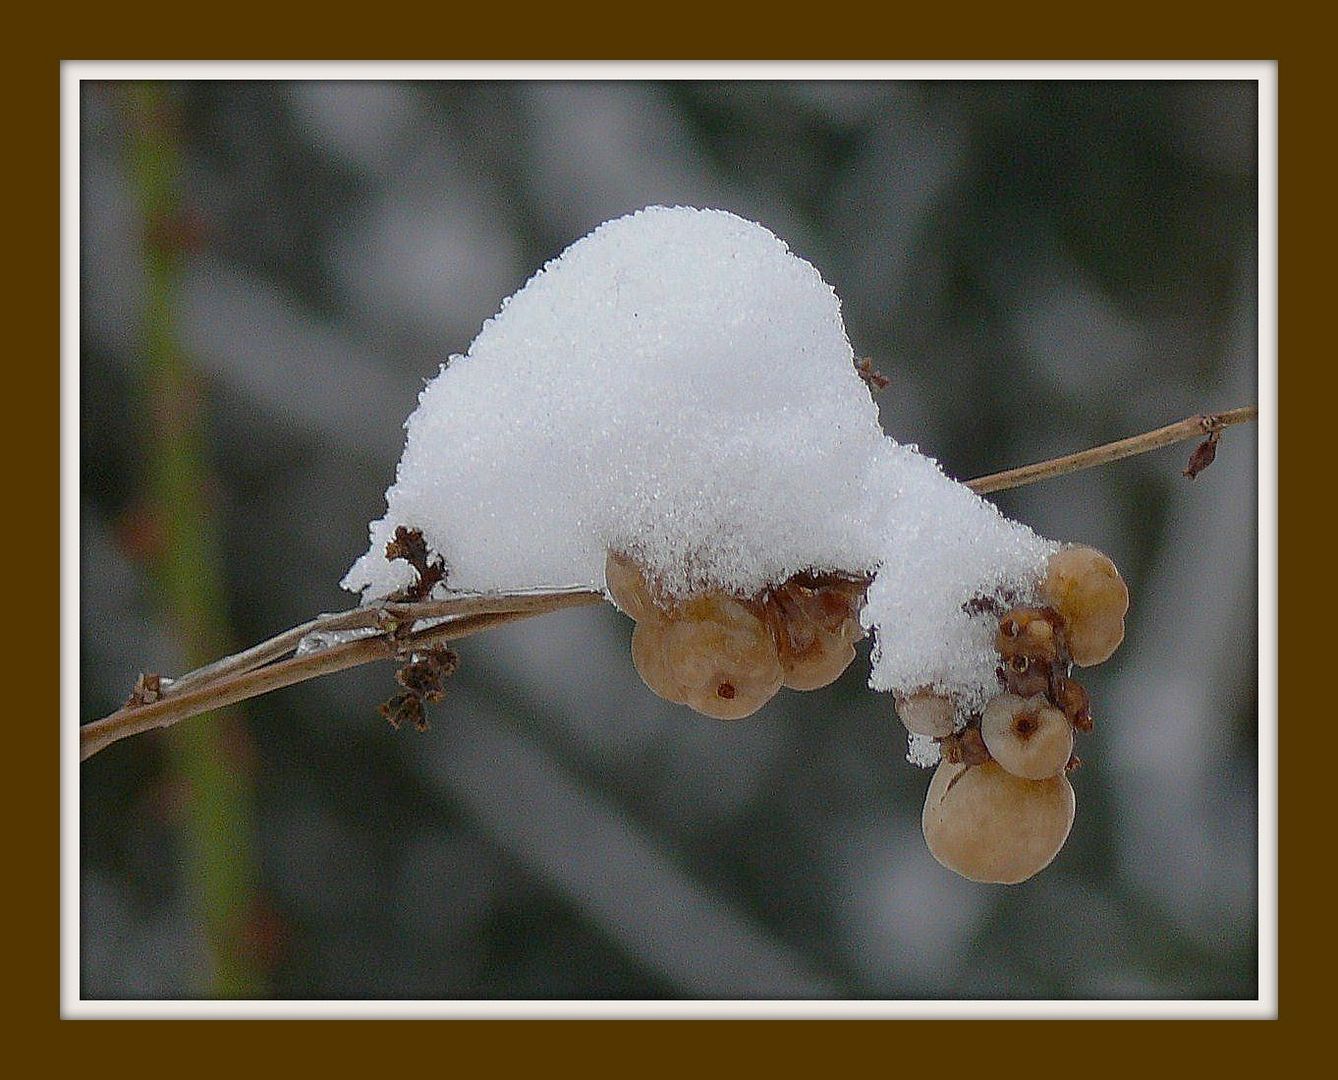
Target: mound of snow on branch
x=679, y=386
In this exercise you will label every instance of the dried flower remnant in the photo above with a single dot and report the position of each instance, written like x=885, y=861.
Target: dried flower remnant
x=402, y=708
x=1071, y=697
x=966, y=747
x=426, y=673
x=1204, y=455
x=424, y=680
x=409, y=545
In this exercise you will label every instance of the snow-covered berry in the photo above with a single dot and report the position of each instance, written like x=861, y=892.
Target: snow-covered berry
x=1083, y=585
x=723, y=656
x=627, y=584
x=816, y=628
x=926, y=713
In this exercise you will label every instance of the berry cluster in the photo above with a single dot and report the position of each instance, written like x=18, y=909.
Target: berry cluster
x=727, y=656
x=1000, y=805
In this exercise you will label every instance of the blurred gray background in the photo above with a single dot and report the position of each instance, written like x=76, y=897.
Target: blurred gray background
x=1037, y=266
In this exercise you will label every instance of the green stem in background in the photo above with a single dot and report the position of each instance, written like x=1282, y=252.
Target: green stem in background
x=211, y=758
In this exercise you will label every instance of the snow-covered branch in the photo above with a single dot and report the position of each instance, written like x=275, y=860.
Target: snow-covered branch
x=670, y=415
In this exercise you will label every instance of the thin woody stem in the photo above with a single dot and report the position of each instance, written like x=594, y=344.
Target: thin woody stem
x=385, y=617
x=231, y=680
x=268, y=665
x=1191, y=428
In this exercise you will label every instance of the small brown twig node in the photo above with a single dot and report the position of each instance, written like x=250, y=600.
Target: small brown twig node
x=147, y=689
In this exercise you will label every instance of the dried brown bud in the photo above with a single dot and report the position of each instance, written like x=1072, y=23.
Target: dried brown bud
x=1203, y=455
x=971, y=747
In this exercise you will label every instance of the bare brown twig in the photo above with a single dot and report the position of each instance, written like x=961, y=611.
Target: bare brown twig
x=1194, y=427
x=271, y=664
x=259, y=670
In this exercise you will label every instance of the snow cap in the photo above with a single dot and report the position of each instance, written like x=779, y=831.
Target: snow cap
x=678, y=386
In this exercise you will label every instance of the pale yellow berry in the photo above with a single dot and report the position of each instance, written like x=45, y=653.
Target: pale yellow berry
x=627, y=585
x=1085, y=588
x=651, y=663
x=723, y=655
x=1029, y=737
x=986, y=824
x=927, y=713
x=822, y=663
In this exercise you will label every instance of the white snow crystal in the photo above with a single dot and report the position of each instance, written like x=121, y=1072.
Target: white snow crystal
x=679, y=386
x=922, y=750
